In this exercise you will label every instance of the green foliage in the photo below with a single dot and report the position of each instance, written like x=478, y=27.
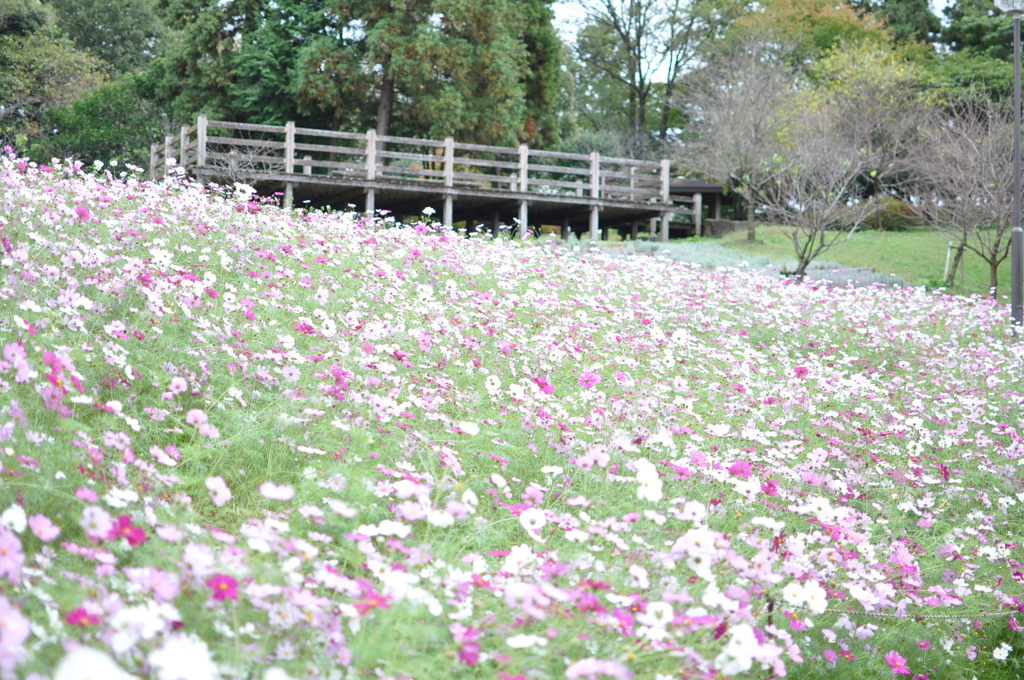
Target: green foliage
x=40, y=71
x=127, y=34
x=815, y=26
x=22, y=17
x=114, y=121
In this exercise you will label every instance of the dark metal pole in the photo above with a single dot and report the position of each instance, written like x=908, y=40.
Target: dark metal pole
x=1017, y=237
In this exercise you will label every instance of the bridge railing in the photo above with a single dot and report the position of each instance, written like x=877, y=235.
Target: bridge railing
x=246, y=152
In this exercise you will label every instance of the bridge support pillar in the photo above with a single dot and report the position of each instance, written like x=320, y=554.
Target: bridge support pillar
x=370, y=201
x=634, y=229
x=595, y=223
x=666, y=218
x=288, y=194
x=524, y=219
x=565, y=229
x=449, y=209
x=495, y=224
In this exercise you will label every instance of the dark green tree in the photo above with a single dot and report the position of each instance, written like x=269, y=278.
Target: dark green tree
x=906, y=20
x=980, y=40
x=127, y=34
x=479, y=71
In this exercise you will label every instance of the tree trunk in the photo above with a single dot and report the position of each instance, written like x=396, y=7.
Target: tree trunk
x=751, y=234
x=993, y=277
x=387, y=98
x=665, y=108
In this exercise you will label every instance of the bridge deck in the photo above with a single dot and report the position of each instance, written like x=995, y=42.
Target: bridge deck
x=474, y=183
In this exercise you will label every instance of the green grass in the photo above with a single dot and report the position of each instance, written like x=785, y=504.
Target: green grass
x=918, y=256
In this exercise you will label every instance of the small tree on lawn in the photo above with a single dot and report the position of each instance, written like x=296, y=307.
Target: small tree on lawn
x=815, y=188
x=965, y=160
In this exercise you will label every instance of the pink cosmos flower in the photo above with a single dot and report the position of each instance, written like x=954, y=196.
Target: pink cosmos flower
x=44, y=529
x=223, y=586
x=195, y=417
x=801, y=372
x=277, y=492
x=220, y=494
x=830, y=655
x=96, y=523
x=589, y=379
x=897, y=663
x=14, y=627
x=178, y=385
x=591, y=668
x=11, y=556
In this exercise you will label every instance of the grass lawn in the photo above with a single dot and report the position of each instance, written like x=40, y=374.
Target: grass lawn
x=918, y=256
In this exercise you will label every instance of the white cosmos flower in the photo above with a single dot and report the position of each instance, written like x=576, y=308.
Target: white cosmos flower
x=14, y=518
x=440, y=518
x=86, y=663
x=658, y=615
x=815, y=597
x=184, y=657
x=793, y=594
x=468, y=427
x=523, y=641
x=533, y=520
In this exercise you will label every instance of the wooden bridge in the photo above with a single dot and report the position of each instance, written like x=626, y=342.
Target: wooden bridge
x=472, y=183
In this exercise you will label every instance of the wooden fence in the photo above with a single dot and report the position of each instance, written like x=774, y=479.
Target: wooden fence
x=288, y=154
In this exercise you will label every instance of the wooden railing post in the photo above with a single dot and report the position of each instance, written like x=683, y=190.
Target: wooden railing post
x=698, y=214
x=449, y=180
x=524, y=167
x=307, y=169
x=595, y=174
x=371, y=154
x=289, y=147
x=152, y=160
x=168, y=152
x=201, y=140
x=183, y=161
x=666, y=187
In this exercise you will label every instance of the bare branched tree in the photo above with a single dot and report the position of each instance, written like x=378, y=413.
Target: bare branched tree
x=738, y=106
x=967, y=191
x=815, y=190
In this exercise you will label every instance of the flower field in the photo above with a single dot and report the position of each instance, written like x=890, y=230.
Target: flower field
x=238, y=441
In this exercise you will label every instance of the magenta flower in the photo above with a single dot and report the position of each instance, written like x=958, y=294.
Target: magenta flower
x=81, y=617
x=223, y=586
x=589, y=379
x=897, y=663
x=801, y=372
x=123, y=527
